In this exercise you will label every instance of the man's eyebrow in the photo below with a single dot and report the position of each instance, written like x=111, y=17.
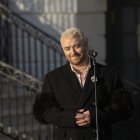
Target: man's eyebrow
x=77, y=44
x=72, y=46
x=66, y=46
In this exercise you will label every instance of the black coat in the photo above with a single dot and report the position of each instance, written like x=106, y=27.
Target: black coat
x=62, y=96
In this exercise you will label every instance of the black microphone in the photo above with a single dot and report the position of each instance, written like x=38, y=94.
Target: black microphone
x=92, y=53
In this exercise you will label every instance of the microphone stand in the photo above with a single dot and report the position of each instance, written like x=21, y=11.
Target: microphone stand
x=93, y=54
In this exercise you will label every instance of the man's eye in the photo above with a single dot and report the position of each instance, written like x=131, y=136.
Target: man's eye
x=77, y=46
x=67, y=49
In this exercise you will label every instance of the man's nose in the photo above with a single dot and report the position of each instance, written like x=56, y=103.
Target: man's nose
x=73, y=51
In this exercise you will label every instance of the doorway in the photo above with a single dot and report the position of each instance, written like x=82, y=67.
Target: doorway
x=123, y=38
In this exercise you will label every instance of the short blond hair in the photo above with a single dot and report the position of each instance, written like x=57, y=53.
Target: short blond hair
x=74, y=32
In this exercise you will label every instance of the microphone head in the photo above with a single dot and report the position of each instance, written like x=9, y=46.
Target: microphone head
x=92, y=53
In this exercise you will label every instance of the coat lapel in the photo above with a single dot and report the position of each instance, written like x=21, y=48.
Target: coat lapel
x=87, y=90
x=72, y=80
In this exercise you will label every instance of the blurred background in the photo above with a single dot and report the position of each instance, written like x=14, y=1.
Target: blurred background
x=29, y=48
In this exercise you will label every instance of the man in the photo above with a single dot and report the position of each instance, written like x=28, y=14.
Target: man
x=68, y=100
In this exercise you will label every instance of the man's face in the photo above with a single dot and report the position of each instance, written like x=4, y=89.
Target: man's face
x=75, y=50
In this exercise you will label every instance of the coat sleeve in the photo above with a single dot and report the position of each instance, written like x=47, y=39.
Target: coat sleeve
x=120, y=106
x=47, y=110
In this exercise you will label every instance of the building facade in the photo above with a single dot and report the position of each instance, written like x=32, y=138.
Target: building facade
x=54, y=16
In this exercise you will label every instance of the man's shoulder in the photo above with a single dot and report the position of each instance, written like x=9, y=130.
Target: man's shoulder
x=107, y=69
x=57, y=70
x=99, y=65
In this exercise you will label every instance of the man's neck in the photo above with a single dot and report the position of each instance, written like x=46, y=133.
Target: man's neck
x=81, y=68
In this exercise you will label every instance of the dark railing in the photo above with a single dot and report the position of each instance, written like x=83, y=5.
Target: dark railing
x=17, y=93
x=26, y=47
x=33, y=52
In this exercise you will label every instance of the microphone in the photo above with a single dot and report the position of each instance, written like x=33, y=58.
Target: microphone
x=92, y=53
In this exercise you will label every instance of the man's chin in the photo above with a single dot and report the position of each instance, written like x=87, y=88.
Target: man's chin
x=75, y=62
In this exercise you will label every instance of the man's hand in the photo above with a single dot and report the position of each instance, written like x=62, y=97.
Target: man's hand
x=82, y=117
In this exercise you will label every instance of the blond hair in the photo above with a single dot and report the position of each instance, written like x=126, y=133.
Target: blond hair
x=74, y=32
